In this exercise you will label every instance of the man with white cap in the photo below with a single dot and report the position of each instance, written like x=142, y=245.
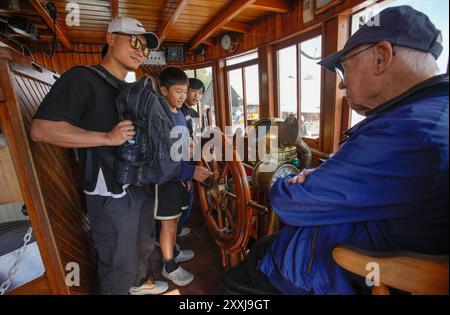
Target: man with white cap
x=80, y=112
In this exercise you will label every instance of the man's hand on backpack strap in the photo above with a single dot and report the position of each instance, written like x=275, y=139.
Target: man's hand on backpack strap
x=201, y=173
x=121, y=132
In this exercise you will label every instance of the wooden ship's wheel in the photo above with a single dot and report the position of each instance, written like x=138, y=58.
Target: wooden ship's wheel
x=225, y=201
x=232, y=217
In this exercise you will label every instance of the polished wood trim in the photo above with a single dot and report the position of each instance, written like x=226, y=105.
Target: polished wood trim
x=299, y=38
x=238, y=27
x=226, y=15
x=39, y=286
x=242, y=64
x=220, y=94
x=170, y=23
x=328, y=6
x=244, y=95
x=49, y=22
x=267, y=81
x=334, y=37
x=114, y=8
x=407, y=271
x=280, y=6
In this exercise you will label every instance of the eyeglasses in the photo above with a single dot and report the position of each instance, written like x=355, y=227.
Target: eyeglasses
x=137, y=44
x=338, y=66
x=339, y=69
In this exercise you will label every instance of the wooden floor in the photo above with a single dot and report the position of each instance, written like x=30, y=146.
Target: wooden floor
x=205, y=266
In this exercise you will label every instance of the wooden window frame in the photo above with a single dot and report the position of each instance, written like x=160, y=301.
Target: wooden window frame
x=237, y=66
x=202, y=66
x=314, y=143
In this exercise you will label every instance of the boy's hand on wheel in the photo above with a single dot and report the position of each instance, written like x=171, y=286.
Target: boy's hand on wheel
x=201, y=173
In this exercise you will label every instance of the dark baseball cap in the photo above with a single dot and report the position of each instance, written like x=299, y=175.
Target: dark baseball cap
x=402, y=26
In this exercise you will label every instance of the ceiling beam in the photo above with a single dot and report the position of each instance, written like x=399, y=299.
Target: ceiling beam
x=114, y=8
x=217, y=23
x=235, y=26
x=165, y=30
x=209, y=42
x=280, y=6
x=49, y=22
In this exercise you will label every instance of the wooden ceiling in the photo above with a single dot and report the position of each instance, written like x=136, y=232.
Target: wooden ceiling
x=193, y=22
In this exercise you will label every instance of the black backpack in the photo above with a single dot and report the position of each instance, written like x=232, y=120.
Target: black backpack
x=146, y=158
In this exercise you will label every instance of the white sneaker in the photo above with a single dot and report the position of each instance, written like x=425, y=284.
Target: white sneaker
x=184, y=231
x=150, y=287
x=184, y=255
x=179, y=276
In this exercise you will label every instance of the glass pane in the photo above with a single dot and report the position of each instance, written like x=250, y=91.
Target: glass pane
x=287, y=80
x=190, y=73
x=207, y=102
x=252, y=92
x=236, y=96
x=243, y=58
x=436, y=10
x=310, y=79
x=204, y=75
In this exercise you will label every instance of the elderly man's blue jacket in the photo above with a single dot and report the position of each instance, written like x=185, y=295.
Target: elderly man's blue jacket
x=385, y=189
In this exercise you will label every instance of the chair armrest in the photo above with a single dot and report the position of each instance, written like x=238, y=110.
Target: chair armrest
x=406, y=271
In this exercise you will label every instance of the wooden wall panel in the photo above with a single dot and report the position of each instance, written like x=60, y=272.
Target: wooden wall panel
x=277, y=27
x=331, y=106
x=84, y=54
x=49, y=178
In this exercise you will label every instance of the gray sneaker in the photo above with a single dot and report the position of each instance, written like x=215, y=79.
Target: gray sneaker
x=184, y=231
x=150, y=287
x=179, y=276
x=184, y=255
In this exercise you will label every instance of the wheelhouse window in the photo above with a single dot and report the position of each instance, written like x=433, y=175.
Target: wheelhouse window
x=287, y=80
x=299, y=83
x=437, y=11
x=206, y=104
x=243, y=90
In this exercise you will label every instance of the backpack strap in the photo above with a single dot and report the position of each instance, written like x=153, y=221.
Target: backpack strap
x=100, y=73
x=89, y=163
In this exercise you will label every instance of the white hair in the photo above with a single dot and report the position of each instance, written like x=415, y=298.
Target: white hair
x=419, y=62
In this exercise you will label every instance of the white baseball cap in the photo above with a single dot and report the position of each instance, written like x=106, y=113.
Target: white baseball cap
x=134, y=27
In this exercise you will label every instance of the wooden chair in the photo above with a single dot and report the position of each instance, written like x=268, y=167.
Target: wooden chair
x=406, y=271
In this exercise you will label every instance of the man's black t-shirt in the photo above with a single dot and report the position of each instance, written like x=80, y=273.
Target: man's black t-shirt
x=87, y=101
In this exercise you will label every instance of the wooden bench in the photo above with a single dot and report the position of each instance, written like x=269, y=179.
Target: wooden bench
x=48, y=178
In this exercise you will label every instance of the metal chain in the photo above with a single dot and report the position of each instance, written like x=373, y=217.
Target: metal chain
x=12, y=271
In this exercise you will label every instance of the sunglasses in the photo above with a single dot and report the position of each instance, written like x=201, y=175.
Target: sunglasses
x=137, y=44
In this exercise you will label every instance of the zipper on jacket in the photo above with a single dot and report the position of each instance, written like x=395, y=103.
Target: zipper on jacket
x=313, y=249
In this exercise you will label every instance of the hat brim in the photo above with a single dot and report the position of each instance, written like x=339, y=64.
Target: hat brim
x=150, y=37
x=330, y=62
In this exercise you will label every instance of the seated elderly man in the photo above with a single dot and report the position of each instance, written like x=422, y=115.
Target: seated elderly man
x=386, y=189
